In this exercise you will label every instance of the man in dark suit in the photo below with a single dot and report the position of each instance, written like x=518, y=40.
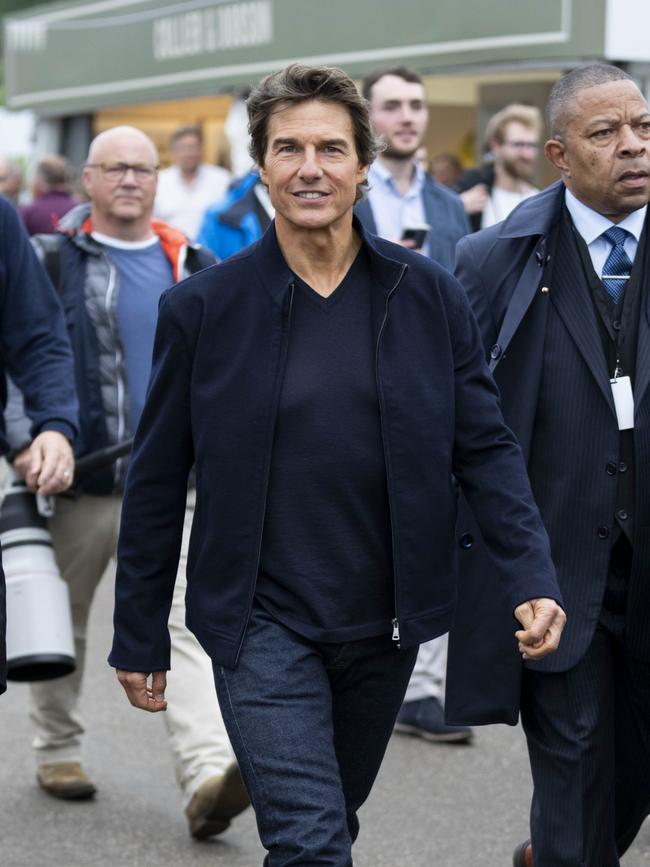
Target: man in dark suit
x=562, y=295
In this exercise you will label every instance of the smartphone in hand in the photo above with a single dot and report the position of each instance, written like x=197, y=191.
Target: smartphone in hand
x=417, y=234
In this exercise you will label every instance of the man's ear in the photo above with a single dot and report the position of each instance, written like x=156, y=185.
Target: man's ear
x=263, y=175
x=362, y=174
x=86, y=180
x=556, y=153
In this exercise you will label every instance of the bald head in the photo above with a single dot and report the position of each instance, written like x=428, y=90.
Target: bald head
x=120, y=180
x=103, y=146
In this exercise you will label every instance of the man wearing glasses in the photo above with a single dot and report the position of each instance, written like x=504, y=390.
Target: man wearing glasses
x=492, y=191
x=110, y=263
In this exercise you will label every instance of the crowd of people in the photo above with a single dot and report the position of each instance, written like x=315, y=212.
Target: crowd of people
x=364, y=495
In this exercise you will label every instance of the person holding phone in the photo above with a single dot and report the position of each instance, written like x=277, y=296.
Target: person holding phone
x=404, y=204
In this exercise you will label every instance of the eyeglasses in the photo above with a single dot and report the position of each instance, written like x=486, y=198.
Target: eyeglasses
x=523, y=145
x=116, y=172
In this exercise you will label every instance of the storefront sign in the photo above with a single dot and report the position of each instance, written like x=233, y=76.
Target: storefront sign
x=80, y=56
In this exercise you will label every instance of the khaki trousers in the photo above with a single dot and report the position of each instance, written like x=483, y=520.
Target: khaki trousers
x=84, y=532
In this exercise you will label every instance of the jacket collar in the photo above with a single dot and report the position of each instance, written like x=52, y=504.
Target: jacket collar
x=535, y=215
x=77, y=224
x=276, y=275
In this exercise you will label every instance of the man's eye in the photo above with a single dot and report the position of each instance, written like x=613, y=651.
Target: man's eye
x=287, y=149
x=644, y=128
x=332, y=149
x=602, y=133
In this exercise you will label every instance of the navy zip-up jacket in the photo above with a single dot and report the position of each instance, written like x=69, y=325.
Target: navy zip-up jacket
x=217, y=373
x=34, y=350
x=34, y=347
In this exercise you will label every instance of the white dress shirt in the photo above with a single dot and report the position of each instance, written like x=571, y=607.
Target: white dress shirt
x=590, y=225
x=183, y=204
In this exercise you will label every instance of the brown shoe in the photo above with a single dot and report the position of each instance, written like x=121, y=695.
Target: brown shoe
x=66, y=780
x=215, y=803
x=523, y=855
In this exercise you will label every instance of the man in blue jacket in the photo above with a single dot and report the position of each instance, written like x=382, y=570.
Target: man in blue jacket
x=36, y=353
x=403, y=195
x=325, y=384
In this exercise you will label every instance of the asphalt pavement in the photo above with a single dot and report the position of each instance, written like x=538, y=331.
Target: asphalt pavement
x=432, y=805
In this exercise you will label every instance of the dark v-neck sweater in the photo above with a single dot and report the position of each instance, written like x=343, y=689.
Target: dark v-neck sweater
x=326, y=563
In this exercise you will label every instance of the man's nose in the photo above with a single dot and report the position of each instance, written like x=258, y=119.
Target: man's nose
x=310, y=166
x=129, y=178
x=630, y=141
x=406, y=113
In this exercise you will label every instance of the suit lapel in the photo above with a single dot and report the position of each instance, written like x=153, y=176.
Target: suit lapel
x=534, y=218
x=571, y=298
x=522, y=296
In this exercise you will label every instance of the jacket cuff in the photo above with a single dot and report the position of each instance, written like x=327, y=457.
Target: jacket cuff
x=62, y=427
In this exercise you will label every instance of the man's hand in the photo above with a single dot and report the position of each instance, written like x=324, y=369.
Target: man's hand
x=543, y=621
x=47, y=465
x=475, y=199
x=140, y=694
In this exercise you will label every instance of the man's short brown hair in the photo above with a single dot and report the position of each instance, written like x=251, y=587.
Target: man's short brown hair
x=54, y=172
x=402, y=72
x=297, y=83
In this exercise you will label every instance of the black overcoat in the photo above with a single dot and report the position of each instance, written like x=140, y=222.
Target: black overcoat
x=508, y=272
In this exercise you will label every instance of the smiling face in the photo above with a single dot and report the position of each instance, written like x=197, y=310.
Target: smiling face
x=603, y=153
x=311, y=167
x=399, y=114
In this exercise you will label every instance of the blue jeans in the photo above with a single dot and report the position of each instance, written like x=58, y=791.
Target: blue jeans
x=309, y=724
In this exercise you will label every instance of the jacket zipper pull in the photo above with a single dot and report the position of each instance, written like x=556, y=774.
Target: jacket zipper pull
x=395, y=636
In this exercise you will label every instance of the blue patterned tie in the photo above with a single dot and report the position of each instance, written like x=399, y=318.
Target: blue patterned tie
x=617, y=263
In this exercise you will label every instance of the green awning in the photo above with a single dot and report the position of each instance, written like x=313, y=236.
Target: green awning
x=76, y=57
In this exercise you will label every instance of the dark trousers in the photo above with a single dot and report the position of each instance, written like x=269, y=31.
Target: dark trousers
x=309, y=724
x=588, y=733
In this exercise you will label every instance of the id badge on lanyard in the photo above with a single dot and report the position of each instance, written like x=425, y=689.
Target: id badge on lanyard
x=623, y=400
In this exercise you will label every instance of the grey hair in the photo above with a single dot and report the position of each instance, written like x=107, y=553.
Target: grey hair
x=564, y=92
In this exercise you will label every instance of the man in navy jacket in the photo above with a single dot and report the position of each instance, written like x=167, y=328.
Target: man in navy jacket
x=326, y=385
x=36, y=353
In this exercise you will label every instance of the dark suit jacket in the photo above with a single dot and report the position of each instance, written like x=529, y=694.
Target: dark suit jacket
x=470, y=178
x=444, y=213
x=505, y=271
